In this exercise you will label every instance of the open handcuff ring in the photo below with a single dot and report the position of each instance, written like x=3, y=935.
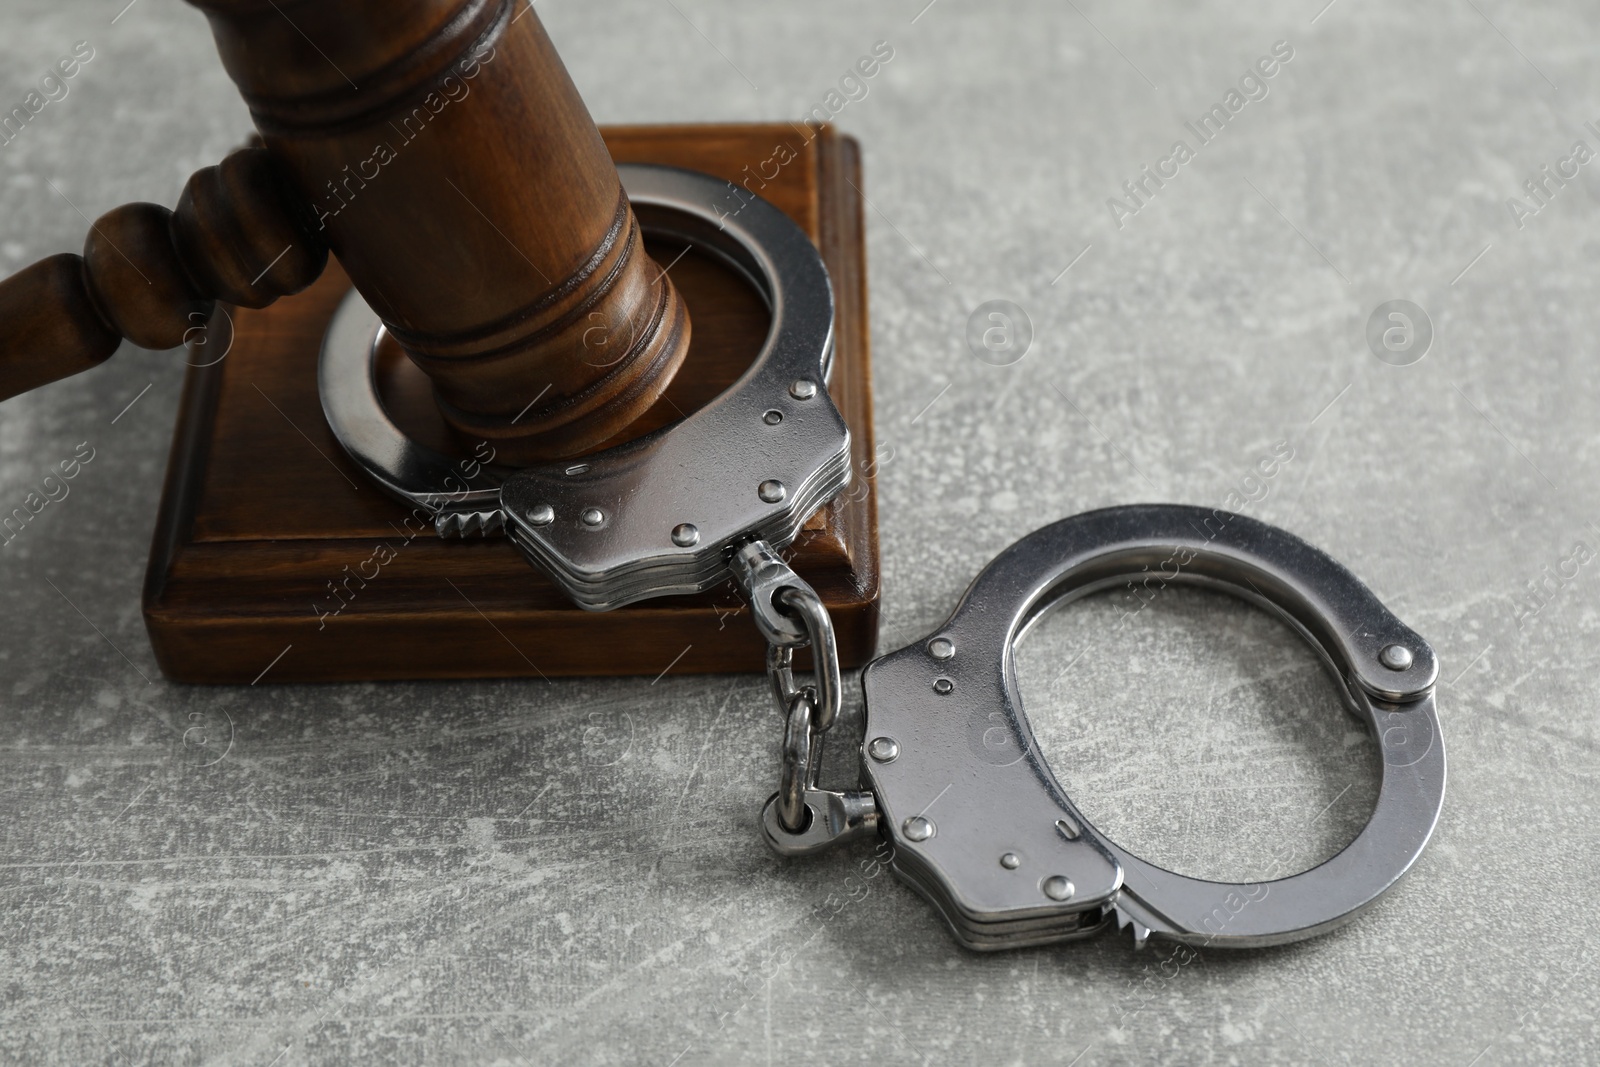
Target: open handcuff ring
x=979, y=823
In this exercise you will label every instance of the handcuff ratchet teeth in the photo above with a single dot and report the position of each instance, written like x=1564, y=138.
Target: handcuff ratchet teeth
x=659, y=515
x=983, y=827
x=980, y=824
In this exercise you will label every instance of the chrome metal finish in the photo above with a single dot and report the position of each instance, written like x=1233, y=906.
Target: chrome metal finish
x=761, y=575
x=832, y=819
x=827, y=690
x=805, y=603
x=1396, y=657
x=673, y=512
x=791, y=615
x=698, y=470
x=348, y=384
x=800, y=755
x=1057, y=887
x=469, y=523
x=971, y=756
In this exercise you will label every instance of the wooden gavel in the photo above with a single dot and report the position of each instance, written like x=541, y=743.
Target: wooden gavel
x=441, y=151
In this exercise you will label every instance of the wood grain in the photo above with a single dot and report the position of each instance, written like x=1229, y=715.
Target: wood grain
x=462, y=184
x=247, y=551
x=153, y=275
x=52, y=328
x=451, y=165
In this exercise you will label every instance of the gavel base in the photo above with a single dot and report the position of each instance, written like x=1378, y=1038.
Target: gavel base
x=276, y=560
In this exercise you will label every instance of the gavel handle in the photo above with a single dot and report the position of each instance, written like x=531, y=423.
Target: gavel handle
x=152, y=275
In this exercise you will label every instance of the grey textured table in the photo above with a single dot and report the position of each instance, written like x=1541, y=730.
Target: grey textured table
x=570, y=873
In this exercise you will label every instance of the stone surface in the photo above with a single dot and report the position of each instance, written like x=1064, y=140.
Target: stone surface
x=571, y=873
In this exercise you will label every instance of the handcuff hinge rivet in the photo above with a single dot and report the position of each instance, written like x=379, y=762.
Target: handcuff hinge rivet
x=686, y=535
x=1058, y=887
x=541, y=515
x=918, y=828
x=883, y=749
x=1396, y=658
x=772, y=417
x=1010, y=861
x=772, y=491
x=593, y=517
x=804, y=389
x=941, y=648
x=943, y=686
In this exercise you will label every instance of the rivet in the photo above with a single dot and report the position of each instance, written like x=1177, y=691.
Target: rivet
x=593, y=517
x=917, y=828
x=1396, y=658
x=1011, y=861
x=541, y=515
x=804, y=389
x=941, y=648
x=773, y=417
x=883, y=749
x=772, y=491
x=943, y=685
x=1058, y=887
x=685, y=535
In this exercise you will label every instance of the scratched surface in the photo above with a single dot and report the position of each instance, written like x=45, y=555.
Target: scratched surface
x=570, y=873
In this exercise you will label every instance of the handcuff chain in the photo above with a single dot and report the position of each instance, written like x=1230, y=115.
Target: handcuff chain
x=803, y=602
x=790, y=615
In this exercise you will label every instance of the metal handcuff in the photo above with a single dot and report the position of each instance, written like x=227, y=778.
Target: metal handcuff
x=979, y=824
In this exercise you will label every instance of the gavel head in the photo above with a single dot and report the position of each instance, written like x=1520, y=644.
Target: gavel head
x=443, y=154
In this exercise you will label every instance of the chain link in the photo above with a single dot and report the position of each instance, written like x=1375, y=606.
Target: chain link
x=791, y=615
x=825, y=685
x=802, y=751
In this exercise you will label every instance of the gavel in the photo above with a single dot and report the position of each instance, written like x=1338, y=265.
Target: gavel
x=440, y=149
x=506, y=319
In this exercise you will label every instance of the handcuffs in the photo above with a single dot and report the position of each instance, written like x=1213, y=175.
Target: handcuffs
x=978, y=823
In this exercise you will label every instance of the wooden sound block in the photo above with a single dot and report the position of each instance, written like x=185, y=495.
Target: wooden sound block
x=275, y=559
